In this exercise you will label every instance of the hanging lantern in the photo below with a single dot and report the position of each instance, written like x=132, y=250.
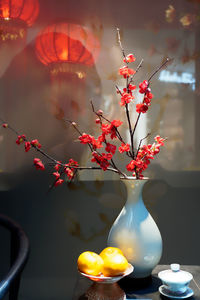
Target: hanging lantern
x=16, y=16
x=67, y=48
x=70, y=52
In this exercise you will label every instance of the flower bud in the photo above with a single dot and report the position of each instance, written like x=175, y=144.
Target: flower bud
x=97, y=121
x=100, y=112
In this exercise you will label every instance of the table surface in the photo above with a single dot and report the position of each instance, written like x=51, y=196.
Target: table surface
x=129, y=288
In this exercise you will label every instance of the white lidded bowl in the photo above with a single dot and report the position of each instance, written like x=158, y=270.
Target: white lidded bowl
x=175, y=279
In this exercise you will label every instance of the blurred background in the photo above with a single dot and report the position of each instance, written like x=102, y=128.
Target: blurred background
x=40, y=83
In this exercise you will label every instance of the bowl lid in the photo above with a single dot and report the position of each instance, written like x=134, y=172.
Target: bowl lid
x=175, y=275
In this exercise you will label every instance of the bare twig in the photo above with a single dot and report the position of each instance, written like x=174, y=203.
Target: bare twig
x=141, y=143
x=120, y=44
x=137, y=69
x=159, y=68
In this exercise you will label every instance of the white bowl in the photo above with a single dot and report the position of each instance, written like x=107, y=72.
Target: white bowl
x=106, y=279
x=175, y=279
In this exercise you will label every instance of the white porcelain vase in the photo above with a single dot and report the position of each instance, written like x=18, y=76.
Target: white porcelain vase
x=136, y=233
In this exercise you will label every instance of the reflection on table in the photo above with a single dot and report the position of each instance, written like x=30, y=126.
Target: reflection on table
x=129, y=288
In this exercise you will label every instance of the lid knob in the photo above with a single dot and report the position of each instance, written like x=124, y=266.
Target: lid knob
x=175, y=267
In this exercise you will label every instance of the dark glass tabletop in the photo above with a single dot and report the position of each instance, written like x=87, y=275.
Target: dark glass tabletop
x=128, y=288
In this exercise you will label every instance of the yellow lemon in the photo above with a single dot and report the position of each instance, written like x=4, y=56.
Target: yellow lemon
x=110, y=251
x=90, y=263
x=114, y=265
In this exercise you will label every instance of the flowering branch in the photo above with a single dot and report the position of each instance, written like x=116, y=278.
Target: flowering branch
x=101, y=147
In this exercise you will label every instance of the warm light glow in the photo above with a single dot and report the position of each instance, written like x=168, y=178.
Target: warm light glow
x=5, y=13
x=80, y=75
x=22, y=10
x=64, y=55
x=67, y=43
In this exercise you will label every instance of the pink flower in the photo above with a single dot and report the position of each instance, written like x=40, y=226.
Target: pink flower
x=20, y=139
x=131, y=87
x=57, y=166
x=69, y=172
x=129, y=58
x=116, y=123
x=85, y=138
x=143, y=86
x=58, y=182
x=141, y=108
x=57, y=175
x=98, y=121
x=96, y=144
x=101, y=160
x=110, y=148
x=131, y=166
x=124, y=148
x=126, y=98
x=159, y=140
x=126, y=72
x=35, y=143
x=27, y=146
x=38, y=164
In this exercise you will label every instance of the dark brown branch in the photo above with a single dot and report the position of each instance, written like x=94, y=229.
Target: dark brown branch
x=35, y=147
x=141, y=143
x=137, y=69
x=104, y=118
x=133, y=132
x=76, y=128
x=130, y=129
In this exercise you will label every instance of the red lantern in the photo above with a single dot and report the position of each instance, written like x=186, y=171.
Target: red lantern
x=67, y=47
x=15, y=16
x=70, y=52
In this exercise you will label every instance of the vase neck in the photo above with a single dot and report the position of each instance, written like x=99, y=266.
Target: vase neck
x=134, y=189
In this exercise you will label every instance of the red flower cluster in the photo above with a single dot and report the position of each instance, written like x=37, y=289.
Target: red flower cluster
x=141, y=108
x=57, y=166
x=58, y=182
x=144, y=89
x=20, y=139
x=108, y=129
x=140, y=157
x=27, y=146
x=126, y=98
x=101, y=159
x=144, y=155
x=35, y=143
x=110, y=148
x=89, y=139
x=124, y=148
x=111, y=128
x=143, y=86
x=70, y=171
x=131, y=87
x=126, y=72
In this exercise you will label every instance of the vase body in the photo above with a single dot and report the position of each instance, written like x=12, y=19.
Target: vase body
x=136, y=233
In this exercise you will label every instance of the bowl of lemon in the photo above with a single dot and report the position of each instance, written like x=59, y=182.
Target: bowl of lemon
x=107, y=267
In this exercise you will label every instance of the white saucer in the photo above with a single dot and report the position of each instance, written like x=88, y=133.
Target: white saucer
x=166, y=292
